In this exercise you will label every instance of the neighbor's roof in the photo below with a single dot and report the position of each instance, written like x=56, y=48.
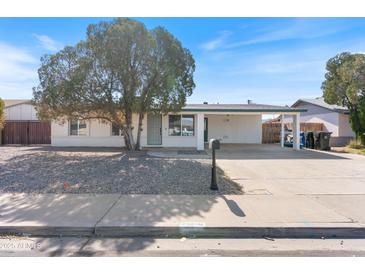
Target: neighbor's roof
x=321, y=103
x=14, y=102
x=239, y=108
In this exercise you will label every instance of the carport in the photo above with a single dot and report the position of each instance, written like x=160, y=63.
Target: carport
x=239, y=123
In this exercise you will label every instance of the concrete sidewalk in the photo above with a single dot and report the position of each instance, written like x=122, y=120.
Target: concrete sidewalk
x=229, y=216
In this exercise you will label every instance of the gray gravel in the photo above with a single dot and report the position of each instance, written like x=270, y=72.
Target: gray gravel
x=75, y=170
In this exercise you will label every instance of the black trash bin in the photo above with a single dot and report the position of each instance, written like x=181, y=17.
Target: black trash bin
x=309, y=140
x=322, y=141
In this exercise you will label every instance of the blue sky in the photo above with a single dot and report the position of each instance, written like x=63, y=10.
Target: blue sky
x=267, y=60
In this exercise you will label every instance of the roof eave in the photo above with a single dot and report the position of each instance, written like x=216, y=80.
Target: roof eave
x=21, y=103
x=246, y=110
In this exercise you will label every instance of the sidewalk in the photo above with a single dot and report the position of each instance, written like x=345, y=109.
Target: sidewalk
x=230, y=216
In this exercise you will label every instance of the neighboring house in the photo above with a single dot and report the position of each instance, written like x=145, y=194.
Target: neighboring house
x=20, y=110
x=334, y=118
x=192, y=127
x=22, y=125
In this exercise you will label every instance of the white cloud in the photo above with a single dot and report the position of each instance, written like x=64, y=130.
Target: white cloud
x=217, y=42
x=18, y=72
x=297, y=29
x=48, y=43
x=9, y=52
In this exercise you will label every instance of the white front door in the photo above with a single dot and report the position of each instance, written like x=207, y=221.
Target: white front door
x=154, y=129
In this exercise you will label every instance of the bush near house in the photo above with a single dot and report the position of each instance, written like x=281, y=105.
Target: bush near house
x=355, y=144
x=2, y=114
x=2, y=118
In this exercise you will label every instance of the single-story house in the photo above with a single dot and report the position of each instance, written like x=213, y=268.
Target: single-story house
x=22, y=125
x=334, y=118
x=190, y=128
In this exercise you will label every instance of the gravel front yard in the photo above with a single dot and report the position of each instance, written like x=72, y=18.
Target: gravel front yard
x=54, y=170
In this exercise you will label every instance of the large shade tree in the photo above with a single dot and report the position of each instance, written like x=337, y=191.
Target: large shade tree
x=120, y=69
x=345, y=85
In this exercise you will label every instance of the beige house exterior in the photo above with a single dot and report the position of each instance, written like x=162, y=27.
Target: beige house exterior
x=334, y=118
x=191, y=128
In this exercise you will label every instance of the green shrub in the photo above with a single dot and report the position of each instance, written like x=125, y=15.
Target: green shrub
x=355, y=144
x=2, y=113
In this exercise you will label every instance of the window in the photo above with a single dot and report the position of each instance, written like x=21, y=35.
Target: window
x=174, y=125
x=116, y=131
x=181, y=125
x=187, y=125
x=78, y=128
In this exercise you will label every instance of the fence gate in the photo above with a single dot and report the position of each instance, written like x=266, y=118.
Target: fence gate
x=26, y=133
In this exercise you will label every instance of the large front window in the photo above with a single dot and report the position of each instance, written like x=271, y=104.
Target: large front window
x=78, y=128
x=181, y=125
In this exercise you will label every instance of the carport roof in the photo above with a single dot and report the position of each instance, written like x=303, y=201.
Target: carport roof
x=240, y=108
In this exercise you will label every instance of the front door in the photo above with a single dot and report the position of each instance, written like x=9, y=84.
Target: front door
x=206, y=130
x=154, y=129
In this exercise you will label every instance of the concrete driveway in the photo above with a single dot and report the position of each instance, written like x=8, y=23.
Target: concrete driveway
x=282, y=171
x=333, y=180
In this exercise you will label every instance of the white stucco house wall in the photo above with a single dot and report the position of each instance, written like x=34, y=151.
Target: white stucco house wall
x=190, y=128
x=334, y=118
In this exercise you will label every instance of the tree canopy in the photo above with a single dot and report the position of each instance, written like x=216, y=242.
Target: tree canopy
x=2, y=114
x=121, y=68
x=345, y=85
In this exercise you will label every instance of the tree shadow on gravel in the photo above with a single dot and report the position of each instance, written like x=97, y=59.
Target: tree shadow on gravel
x=104, y=171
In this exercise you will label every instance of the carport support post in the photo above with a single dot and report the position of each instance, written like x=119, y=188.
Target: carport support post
x=296, y=131
x=200, y=131
x=282, y=132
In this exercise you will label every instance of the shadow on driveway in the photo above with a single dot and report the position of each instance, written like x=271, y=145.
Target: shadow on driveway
x=271, y=152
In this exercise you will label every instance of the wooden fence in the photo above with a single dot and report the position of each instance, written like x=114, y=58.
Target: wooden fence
x=271, y=131
x=26, y=132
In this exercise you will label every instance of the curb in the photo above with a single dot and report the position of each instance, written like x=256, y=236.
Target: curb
x=233, y=232
x=195, y=232
x=47, y=231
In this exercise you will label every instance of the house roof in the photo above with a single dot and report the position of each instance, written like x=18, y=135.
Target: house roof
x=14, y=102
x=321, y=103
x=239, y=108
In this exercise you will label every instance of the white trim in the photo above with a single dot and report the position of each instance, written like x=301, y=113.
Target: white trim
x=200, y=131
x=282, y=131
x=296, y=131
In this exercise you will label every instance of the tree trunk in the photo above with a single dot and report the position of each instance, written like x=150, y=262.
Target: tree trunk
x=362, y=138
x=128, y=133
x=138, y=141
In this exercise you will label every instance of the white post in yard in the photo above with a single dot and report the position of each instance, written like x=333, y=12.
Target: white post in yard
x=200, y=131
x=282, y=132
x=296, y=131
